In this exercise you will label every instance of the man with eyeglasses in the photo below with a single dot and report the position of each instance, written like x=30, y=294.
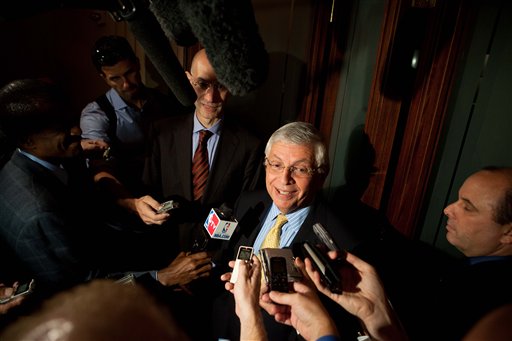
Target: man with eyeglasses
x=233, y=153
x=231, y=162
x=296, y=165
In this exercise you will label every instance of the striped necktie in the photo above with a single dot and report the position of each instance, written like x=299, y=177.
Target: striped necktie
x=200, y=165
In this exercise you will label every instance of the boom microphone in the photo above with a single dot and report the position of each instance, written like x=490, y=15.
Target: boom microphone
x=228, y=31
x=148, y=32
x=173, y=23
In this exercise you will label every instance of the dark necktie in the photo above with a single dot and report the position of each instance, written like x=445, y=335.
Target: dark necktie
x=200, y=165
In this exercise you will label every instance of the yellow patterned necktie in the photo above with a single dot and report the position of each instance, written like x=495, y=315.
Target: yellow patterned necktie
x=274, y=235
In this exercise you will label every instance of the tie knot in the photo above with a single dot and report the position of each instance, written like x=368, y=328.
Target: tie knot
x=273, y=237
x=204, y=135
x=280, y=220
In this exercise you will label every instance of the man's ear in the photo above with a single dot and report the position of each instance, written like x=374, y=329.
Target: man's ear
x=102, y=74
x=28, y=143
x=189, y=75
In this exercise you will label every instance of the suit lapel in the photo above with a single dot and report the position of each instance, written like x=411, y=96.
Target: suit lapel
x=306, y=229
x=183, y=149
x=224, y=155
x=253, y=217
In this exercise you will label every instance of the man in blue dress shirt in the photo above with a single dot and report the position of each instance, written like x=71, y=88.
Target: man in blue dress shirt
x=115, y=126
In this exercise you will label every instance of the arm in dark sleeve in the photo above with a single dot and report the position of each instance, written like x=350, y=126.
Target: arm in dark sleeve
x=50, y=253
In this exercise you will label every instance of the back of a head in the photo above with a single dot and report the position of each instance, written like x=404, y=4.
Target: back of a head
x=110, y=50
x=29, y=106
x=100, y=310
x=496, y=325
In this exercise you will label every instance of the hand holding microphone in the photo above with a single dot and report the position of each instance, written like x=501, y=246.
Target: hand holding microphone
x=220, y=225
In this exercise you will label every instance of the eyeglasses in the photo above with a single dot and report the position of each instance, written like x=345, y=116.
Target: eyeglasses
x=298, y=172
x=204, y=86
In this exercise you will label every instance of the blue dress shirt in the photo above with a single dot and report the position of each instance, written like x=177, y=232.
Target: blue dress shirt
x=213, y=141
x=289, y=230
x=94, y=122
x=328, y=338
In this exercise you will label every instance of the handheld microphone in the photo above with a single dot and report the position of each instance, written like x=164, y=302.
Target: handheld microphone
x=220, y=223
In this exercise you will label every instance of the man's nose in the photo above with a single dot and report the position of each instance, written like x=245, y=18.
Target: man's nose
x=212, y=94
x=126, y=83
x=286, y=176
x=448, y=210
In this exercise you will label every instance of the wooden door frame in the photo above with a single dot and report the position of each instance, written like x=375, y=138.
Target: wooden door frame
x=328, y=42
x=404, y=127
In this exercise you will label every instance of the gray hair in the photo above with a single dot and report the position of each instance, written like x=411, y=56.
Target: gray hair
x=302, y=133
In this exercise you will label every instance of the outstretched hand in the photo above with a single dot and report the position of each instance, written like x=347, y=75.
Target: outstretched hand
x=146, y=207
x=363, y=296
x=185, y=268
x=6, y=292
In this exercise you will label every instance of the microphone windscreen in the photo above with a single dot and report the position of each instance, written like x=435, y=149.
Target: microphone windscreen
x=226, y=210
x=148, y=32
x=228, y=31
x=172, y=22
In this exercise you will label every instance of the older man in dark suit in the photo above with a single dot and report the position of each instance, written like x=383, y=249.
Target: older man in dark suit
x=296, y=164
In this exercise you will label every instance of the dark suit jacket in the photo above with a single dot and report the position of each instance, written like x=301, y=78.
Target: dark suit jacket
x=251, y=210
x=237, y=164
x=40, y=222
x=168, y=172
x=464, y=296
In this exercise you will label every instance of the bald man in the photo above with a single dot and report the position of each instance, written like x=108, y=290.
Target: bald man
x=234, y=159
x=479, y=225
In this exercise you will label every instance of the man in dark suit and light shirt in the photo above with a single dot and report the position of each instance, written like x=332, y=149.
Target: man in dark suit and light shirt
x=230, y=162
x=233, y=154
x=296, y=164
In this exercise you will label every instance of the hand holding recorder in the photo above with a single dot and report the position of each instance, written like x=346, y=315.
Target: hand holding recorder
x=244, y=255
x=148, y=209
x=10, y=297
x=363, y=296
x=328, y=268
